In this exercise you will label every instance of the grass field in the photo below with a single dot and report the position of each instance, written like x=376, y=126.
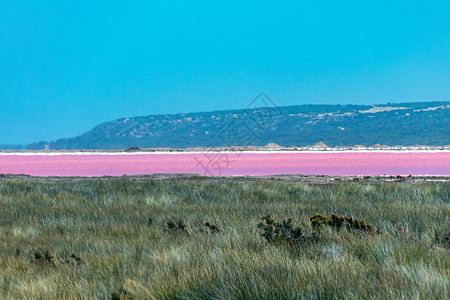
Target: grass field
x=118, y=253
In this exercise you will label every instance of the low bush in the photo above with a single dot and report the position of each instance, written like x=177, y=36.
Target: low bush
x=281, y=232
x=213, y=228
x=44, y=259
x=177, y=227
x=341, y=222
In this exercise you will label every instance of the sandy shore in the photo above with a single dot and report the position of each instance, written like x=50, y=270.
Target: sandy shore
x=237, y=149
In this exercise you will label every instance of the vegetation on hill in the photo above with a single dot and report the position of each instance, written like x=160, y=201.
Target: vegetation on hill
x=112, y=239
x=424, y=123
x=11, y=147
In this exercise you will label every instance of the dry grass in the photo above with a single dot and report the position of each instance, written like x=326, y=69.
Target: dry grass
x=102, y=238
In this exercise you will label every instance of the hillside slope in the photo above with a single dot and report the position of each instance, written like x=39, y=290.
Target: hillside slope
x=426, y=123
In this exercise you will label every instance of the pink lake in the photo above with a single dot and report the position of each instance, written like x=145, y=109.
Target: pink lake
x=228, y=163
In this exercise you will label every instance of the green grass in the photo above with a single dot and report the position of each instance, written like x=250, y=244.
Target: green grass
x=106, y=224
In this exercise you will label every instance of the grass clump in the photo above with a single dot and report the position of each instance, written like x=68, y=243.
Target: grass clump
x=447, y=240
x=444, y=241
x=122, y=294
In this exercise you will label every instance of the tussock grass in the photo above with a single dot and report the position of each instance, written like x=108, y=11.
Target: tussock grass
x=105, y=224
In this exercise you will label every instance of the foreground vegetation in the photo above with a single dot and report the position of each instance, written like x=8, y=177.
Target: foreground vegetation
x=127, y=239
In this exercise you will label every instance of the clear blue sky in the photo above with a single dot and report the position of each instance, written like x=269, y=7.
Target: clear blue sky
x=66, y=66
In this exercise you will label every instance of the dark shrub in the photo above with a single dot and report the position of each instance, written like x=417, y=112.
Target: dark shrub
x=281, y=232
x=341, y=222
x=212, y=227
x=177, y=227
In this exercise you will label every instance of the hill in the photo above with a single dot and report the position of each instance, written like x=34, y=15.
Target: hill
x=425, y=123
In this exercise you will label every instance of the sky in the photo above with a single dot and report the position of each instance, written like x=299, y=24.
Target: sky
x=67, y=66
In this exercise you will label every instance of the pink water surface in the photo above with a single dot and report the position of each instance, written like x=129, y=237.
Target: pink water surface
x=263, y=163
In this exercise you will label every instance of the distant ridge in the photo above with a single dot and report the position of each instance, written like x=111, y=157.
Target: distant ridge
x=402, y=124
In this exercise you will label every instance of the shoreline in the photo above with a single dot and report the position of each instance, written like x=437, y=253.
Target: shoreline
x=209, y=150
x=245, y=149
x=296, y=178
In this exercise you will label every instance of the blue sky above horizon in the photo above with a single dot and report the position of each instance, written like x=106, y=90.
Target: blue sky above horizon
x=66, y=66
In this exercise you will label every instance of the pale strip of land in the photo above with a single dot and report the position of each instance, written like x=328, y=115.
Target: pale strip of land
x=302, y=179
x=246, y=149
